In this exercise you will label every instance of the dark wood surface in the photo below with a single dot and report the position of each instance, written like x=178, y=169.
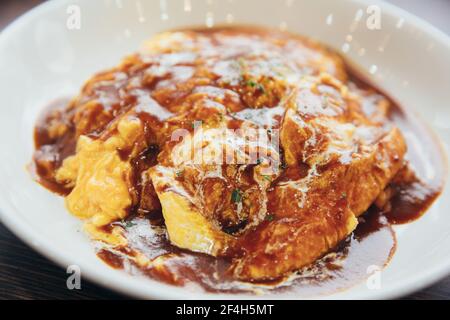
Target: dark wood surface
x=24, y=274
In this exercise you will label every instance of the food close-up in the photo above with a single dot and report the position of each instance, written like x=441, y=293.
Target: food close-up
x=231, y=155
x=246, y=152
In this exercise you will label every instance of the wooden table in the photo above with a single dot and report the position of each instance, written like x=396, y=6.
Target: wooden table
x=24, y=274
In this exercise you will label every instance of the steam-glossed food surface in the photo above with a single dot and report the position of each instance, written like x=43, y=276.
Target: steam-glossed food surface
x=238, y=160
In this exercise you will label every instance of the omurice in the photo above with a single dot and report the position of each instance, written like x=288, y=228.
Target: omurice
x=235, y=158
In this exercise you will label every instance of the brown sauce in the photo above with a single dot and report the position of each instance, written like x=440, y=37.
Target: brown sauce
x=410, y=203
x=113, y=260
x=425, y=155
x=50, y=152
x=372, y=244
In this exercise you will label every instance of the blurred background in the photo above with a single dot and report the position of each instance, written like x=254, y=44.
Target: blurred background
x=25, y=274
x=436, y=12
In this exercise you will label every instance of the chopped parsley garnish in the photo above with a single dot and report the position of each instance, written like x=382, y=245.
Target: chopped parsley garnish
x=236, y=196
x=195, y=124
x=251, y=83
x=259, y=161
x=270, y=217
x=254, y=84
x=179, y=173
x=268, y=178
x=261, y=88
x=129, y=224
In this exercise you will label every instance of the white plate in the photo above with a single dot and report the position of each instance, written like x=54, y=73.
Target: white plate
x=42, y=59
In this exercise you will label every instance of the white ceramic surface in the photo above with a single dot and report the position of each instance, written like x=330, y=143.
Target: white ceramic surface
x=41, y=59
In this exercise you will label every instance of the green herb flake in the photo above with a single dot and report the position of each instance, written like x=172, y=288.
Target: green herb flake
x=268, y=178
x=270, y=217
x=195, y=124
x=261, y=88
x=129, y=224
x=254, y=84
x=179, y=173
x=236, y=196
x=251, y=83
